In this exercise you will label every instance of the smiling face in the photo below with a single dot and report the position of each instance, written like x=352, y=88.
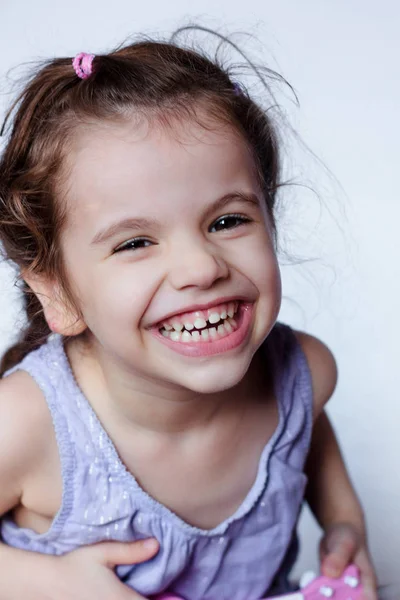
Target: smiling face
x=169, y=252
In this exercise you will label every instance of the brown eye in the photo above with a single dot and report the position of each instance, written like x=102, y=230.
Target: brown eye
x=228, y=222
x=134, y=244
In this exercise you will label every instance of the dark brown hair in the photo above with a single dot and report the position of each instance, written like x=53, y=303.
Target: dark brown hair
x=156, y=79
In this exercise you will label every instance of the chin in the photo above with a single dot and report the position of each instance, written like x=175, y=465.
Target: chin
x=215, y=378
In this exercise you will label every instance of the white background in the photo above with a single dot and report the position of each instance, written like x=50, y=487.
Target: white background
x=342, y=58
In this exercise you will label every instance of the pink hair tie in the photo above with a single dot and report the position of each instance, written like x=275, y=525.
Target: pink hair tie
x=82, y=64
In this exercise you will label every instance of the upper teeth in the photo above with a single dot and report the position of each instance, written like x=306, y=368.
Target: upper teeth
x=200, y=323
x=215, y=317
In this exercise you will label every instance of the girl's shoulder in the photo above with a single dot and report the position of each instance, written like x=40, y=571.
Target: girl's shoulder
x=323, y=369
x=296, y=352
x=26, y=431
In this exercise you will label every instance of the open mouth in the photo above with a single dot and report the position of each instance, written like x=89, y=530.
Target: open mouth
x=207, y=332
x=202, y=326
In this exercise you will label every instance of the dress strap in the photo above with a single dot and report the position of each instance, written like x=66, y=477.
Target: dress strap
x=293, y=387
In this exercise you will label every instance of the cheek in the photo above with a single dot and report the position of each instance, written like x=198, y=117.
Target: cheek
x=268, y=281
x=257, y=260
x=120, y=292
x=267, y=272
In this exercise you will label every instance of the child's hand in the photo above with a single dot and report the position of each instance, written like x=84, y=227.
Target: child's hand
x=343, y=545
x=88, y=572
x=84, y=574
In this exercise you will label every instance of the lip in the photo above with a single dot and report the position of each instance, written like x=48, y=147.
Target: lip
x=198, y=307
x=234, y=340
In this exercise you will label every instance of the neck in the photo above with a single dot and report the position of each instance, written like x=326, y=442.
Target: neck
x=134, y=401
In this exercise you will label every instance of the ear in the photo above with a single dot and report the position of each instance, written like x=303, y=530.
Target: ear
x=60, y=317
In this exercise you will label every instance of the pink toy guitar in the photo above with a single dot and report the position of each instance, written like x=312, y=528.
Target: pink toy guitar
x=348, y=587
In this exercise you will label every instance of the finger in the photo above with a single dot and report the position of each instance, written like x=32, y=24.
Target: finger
x=336, y=535
x=111, y=554
x=368, y=577
x=337, y=551
x=124, y=592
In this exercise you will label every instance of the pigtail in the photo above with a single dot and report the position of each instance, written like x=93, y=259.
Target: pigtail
x=34, y=335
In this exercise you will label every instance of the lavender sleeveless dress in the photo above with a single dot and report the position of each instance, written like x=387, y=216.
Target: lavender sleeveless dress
x=243, y=558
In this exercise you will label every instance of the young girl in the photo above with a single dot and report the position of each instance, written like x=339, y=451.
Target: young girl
x=169, y=409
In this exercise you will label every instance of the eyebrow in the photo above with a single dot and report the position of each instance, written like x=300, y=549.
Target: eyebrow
x=140, y=224
x=128, y=224
x=246, y=197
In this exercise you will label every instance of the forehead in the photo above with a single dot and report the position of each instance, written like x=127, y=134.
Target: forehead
x=136, y=167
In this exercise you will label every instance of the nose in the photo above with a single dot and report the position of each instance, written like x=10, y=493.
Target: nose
x=196, y=263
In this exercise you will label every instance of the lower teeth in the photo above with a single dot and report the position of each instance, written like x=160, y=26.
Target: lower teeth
x=226, y=327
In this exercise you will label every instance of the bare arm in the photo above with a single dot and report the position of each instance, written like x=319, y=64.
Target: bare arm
x=330, y=493
x=22, y=435
x=26, y=436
